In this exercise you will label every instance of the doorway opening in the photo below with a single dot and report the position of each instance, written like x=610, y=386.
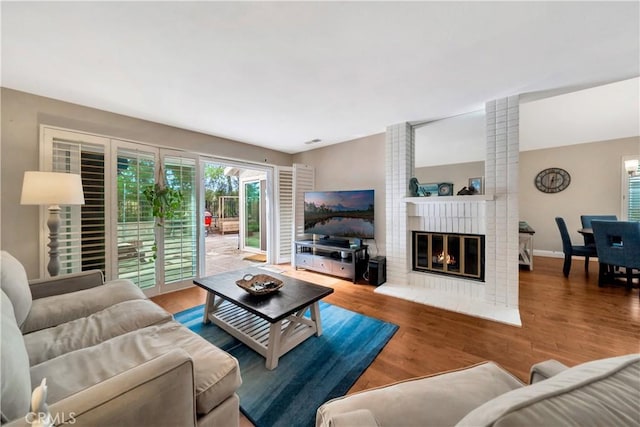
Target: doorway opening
x=234, y=217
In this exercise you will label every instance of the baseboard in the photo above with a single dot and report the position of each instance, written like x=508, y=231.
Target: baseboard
x=556, y=254
x=548, y=254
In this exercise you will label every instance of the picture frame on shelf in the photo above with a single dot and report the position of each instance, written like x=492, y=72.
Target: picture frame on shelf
x=428, y=189
x=478, y=184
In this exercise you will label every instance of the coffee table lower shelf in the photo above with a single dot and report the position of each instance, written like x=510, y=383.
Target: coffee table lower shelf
x=270, y=340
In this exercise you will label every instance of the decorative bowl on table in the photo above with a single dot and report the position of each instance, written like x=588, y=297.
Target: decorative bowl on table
x=259, y=284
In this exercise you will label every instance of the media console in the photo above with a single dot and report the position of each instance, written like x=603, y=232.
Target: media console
x=331, y=257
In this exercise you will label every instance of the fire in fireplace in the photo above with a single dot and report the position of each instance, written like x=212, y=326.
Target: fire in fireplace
x=449, y=253
x=440, y=258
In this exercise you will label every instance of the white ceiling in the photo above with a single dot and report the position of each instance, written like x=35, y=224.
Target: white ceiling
x=277, y=74
x=598, y=113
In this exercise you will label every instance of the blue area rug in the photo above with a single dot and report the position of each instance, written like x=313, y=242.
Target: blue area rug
x=319, y=369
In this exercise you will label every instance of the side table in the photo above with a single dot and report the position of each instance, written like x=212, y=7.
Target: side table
x=525, y=250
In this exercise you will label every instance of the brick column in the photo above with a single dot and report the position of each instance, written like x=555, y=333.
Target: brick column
x=501, y=178
x=400, y=156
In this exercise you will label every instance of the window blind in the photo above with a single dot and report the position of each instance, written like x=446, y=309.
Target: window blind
x=633, y=207
x=303, y=180
x=180, y=233
x=284, y=211
x=135, y=222
x=82, y=235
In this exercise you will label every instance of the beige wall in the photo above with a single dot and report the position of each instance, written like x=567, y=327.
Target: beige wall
x=23, y=113
x=596, y=187
x=458, y=175
x=596, y=177
x=355, y=165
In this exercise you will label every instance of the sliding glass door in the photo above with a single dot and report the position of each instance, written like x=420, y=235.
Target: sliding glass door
x=115, y=231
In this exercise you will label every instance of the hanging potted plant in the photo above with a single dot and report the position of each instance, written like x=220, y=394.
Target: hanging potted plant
x=165, y=204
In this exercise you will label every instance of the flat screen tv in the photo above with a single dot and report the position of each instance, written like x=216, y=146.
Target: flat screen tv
x=339, y=213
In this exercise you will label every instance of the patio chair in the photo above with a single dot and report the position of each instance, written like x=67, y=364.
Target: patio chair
x=618, y=245
x=586, y=223
x=207, y=225
x=570, y=250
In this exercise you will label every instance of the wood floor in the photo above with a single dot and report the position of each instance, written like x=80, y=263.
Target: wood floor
x=571, y=320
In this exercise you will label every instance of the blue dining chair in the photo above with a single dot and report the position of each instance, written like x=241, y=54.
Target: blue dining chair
x=618, y=245
x=570, y=250
x=586, y=223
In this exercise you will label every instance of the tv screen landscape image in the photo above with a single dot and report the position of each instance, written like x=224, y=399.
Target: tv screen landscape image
x=339, y=213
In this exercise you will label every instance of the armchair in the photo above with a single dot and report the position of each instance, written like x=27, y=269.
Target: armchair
x=598, y=393
x=618, y=245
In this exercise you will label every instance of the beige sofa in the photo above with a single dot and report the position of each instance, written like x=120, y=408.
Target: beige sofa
x=600, y=393
x=110, y=356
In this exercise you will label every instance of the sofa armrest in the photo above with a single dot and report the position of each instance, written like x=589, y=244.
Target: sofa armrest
x=359, y=417
x=64, y=284
x=158, y=392
x=543, y=370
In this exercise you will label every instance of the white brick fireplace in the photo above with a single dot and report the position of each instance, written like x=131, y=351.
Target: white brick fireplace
x=494, y=215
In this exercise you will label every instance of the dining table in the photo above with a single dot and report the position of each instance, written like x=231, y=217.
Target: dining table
x=589, y=239
x=586, y=231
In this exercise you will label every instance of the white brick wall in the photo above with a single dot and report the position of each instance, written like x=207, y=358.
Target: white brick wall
x=497, y=219
x=399, y=169
x=501, y=178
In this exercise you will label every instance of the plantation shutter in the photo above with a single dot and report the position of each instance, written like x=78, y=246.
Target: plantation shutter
x=633, y=204
x=303, y=180
x=284, y=214
x=135, y=223
x=82, y=236
x=180, y=233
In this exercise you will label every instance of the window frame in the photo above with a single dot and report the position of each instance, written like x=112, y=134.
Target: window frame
x=624, y=205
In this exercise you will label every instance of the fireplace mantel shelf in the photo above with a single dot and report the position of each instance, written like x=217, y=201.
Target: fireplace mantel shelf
x=440, y=199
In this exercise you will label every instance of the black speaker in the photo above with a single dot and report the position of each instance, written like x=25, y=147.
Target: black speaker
x=377, y=270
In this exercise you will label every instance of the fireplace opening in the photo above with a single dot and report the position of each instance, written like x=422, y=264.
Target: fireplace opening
x=449, y=253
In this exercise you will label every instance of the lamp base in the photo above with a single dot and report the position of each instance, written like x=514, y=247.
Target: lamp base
x=54, y=226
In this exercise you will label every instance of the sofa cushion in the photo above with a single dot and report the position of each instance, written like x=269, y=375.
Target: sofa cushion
x=14, y=282
x=604, y=392
x=16, y=384
x=438, y=400
x=98, y=327
x=217, y=374
x=55, y=310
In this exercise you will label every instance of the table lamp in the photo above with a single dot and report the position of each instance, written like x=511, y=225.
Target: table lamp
x=52, y=189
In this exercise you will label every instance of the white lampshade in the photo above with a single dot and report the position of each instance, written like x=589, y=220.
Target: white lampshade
x=51, y=188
